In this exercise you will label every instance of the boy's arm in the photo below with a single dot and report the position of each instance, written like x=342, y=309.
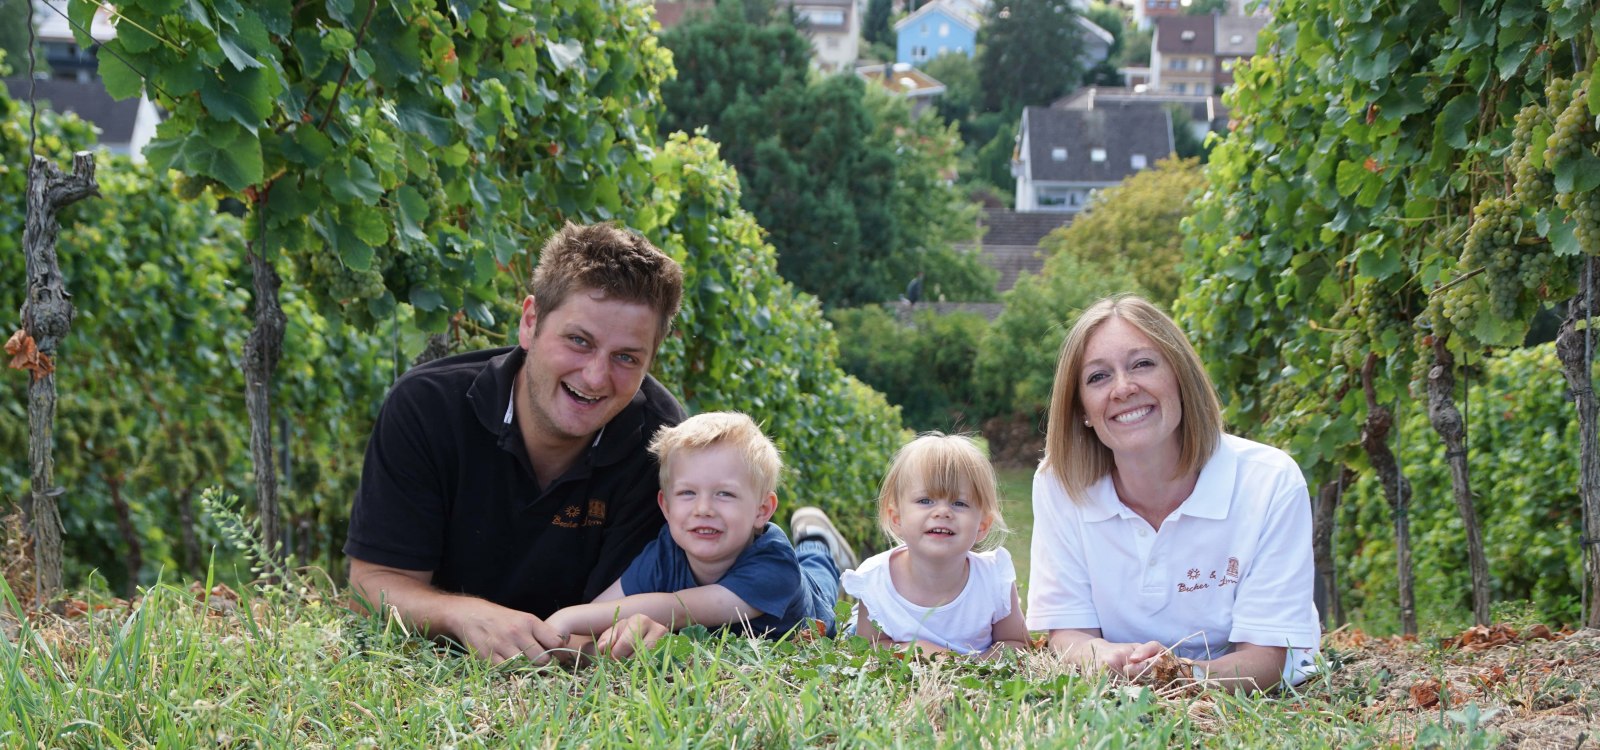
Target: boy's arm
x=1011, y=632
x=711, y=606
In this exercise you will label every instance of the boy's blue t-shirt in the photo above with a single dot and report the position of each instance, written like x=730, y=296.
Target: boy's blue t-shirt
x=766, y=576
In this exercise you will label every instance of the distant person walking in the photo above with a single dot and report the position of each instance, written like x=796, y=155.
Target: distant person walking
x=914, y=289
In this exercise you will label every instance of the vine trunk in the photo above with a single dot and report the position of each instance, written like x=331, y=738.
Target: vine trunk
x=261, y=352
x=1447, y=421
x=46, y=319
x=1396, y=489
x=1322, y=515
x=1576, y=349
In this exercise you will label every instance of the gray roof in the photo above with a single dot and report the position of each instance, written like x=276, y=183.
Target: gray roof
x=1011, y=242
x=1208, y=108
x=88, y=101
x=1170, y=32
x=1245, y=28
x=1122, y=131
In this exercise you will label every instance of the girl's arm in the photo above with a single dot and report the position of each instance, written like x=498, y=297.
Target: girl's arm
x=866, y=628
x=1011, y=632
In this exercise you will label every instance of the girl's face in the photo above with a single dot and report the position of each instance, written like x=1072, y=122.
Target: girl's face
x=938, y=526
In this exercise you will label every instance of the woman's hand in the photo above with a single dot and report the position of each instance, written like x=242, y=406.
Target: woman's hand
x=1086, y=648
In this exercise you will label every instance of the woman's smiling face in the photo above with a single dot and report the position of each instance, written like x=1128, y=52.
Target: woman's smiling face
x=1129, y=392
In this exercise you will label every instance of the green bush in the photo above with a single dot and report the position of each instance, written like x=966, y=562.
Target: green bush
x=1523, y=457
x=748, y=340
x=1017, y=360
x=926, y=367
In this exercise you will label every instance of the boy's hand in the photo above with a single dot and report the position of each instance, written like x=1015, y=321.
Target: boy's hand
x=628, y=636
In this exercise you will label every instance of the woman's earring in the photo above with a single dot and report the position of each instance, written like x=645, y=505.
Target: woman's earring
x=1086, y=423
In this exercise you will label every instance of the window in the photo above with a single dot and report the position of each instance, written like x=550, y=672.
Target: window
x=1176, y=63
x=1227, y=65
x=1097, y=155
x=1058, y=154
x=1187, y=35
x=822, y=17
x=1074, y=198
x=1236, y=39
x=943, y=49
x=919, y=53
x=923, y=29
x=944, y=29
x=1137, y=161
x=1200, y=63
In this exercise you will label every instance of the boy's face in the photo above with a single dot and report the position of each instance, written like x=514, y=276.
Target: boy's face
x=713, y=508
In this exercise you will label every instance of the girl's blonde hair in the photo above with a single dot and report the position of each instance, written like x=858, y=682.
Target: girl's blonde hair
x=1073, y=452
x=944, y=463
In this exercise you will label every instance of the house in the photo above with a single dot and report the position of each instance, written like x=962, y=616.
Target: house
x=1063, y=155
x=1236, y=38
x=834, y=27
x=69, y=81
x=902, y=79
x=1146, y=11
x=670, y=13
x=1195, y=54
x=938, y=28
x=1206, y=113
x=1183, y=55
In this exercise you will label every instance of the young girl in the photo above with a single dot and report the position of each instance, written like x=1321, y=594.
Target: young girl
x=933, y=590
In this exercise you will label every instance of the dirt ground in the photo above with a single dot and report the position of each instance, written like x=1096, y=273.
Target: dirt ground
x=1534, y=688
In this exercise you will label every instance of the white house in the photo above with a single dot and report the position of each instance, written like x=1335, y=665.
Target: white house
x=1064, y=155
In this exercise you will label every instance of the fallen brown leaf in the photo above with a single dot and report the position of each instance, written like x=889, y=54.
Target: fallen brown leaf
x=1425, y=694
x=25, y=355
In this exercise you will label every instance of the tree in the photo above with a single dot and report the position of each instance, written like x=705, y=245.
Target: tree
x=1029, y=52
x=875, y=27
x=1431, y=218
x=1133, y=227
x=851, y=189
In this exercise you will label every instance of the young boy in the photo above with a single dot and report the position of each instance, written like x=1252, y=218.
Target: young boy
x=719, y=561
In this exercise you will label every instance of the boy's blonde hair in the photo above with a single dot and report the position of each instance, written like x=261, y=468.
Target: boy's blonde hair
x=731, y=428
x=943, y=463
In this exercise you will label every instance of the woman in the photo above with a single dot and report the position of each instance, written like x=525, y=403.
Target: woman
x=1152, y=528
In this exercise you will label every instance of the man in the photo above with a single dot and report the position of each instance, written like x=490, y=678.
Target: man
x=502, y=485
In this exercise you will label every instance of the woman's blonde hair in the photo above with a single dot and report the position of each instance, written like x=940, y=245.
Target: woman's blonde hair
x=1073, y=452
x=944, y=463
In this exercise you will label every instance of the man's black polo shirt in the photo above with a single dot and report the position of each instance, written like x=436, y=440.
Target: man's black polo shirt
x=447, y=487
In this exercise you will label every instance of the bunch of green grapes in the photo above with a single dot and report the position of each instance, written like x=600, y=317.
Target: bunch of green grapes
x=1584, y=208
x=1492, y=244
x=1352, y=344
x=335, y=286
x=408, y=269
x=1573, y=130
x=1557, y=95
x=1534, y=186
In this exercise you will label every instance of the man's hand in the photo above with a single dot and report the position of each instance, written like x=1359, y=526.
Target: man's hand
x=629, y=636
x=490, y=631
x=498, y=634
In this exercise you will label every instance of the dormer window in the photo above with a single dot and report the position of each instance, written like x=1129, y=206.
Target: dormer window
x=1137, y=161
x=1058, y=154
x=1187, y=35
x=1236, y=39
x=1097, y=155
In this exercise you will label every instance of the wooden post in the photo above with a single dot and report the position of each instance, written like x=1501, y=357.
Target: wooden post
x=1575, y=347
x=46, y=318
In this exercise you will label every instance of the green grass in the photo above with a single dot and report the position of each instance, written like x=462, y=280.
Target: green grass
x=1016, y=502
x=295, y=669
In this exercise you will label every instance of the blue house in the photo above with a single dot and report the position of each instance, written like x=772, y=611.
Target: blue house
x=938, y=28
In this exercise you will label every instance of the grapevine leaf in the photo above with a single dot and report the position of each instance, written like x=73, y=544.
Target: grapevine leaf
x=1563, y=240
x=1594, y=91
x=367, y=222
x=121, y=81
x=226, y=153
x=355, y=182
x=243, y=96
x=381, y=306
x=1349, y=178
x=1449, y=6
x=413, y=119
x=308, y=146
x=1453, y=122
x=81, y=14
x=564, y=54
x=1512, y=55
x=241, y=59
x=355, y=254
x=1580, y=175
x=413, y=212
x=1379, y=265
x=426, y=299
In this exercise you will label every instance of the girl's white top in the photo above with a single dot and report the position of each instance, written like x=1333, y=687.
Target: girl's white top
x=965, y=625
